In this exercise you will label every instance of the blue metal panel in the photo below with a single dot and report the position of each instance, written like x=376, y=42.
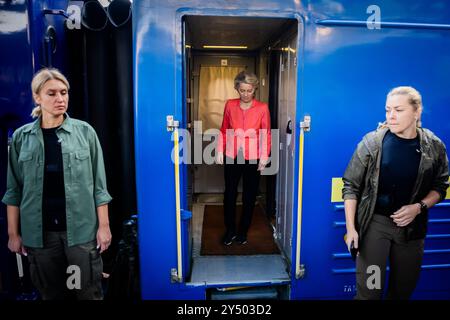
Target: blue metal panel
x=21, y=37
x=21, y=40
x=154, y=76
x=347, y=71
x=22, y=29
x=15, y=102
x=162, y=27
x=15, y=62
x=38, y=23
x=158, y=79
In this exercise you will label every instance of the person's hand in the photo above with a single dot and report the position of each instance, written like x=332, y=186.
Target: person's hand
x=262, y=164
x=219, y=158
x=351, y=236
x=103, y=238
x=406, y=214
x=15, y=244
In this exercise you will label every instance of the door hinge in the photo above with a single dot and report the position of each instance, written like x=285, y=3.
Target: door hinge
x=306, y=123
x=300, y=272
x=171, y=123
x=174, y=275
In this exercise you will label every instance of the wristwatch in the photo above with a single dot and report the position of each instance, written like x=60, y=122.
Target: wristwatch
x=423, y=206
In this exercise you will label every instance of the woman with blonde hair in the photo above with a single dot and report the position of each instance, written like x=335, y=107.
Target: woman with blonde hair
x=243, y=147
x=56, y=186
x=396, y=174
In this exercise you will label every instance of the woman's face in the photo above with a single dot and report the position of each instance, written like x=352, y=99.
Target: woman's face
x=400, y=114
x=53, y=98
x=246, y=92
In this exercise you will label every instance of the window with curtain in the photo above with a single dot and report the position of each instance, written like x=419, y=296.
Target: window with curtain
x=215, y=88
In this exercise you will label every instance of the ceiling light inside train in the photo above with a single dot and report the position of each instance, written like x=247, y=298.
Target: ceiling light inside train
x=224, y=47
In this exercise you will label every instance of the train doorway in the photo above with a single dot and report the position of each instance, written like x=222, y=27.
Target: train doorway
x=216, y=48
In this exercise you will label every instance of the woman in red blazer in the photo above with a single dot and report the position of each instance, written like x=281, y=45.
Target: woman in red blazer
x=245, y=140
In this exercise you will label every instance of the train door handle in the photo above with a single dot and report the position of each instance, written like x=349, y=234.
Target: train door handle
x=289, y=127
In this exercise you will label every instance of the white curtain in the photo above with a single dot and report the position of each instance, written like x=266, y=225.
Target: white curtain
x=216, y=87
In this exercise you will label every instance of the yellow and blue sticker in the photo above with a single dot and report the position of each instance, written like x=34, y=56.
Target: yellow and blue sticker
x=336, y=190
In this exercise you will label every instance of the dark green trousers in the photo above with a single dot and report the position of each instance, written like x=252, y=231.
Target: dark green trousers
x=384, y=242
x=61, y=272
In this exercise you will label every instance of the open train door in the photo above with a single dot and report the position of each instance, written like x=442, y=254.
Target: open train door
x=287, y=97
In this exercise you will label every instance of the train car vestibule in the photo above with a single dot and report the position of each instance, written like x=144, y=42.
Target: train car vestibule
x=216, y=49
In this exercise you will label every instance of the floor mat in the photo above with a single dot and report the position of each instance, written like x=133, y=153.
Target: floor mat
x=260, y=238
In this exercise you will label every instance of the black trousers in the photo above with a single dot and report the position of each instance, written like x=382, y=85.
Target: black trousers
x=233, y=172
x=385, y=241
x=51, y=275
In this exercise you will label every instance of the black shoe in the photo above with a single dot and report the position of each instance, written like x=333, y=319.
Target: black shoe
x=228, y=238
x=241, y=239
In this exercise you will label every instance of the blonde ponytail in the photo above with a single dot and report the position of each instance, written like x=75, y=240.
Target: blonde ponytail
x=37, y=112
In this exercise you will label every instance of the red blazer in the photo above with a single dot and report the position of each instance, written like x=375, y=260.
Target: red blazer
x=247, y=129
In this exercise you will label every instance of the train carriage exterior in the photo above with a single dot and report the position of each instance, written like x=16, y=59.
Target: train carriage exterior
x=325, y=68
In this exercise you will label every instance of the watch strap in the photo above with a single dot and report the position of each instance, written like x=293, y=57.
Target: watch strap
x=423, y=206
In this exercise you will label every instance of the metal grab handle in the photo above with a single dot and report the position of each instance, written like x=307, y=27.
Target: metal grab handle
x=179, y=274
x=305, y=126
x=57, y=12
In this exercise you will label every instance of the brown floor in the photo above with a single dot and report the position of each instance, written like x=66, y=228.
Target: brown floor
x=260, y=238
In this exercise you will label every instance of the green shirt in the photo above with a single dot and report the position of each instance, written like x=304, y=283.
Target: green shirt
x=84, y=180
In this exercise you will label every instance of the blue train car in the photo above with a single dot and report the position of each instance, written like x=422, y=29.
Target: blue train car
x=325, y=68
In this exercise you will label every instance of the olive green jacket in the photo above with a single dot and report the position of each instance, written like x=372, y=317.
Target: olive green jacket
x=84, y=180
x=362, y=174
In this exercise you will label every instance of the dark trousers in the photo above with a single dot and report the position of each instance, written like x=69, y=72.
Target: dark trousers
x=383, y=241
x=50, y=271
x=233, y=173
